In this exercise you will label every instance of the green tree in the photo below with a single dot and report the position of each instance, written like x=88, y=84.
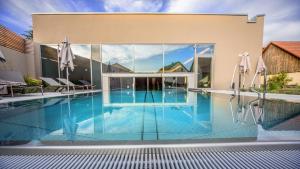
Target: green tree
x=28, y=34
x=278, y=81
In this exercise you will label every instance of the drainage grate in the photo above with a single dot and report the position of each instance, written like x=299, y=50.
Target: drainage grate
x=272, y=156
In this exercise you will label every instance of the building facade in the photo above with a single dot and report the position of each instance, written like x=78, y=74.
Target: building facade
x=283, y=56
x=148, y=51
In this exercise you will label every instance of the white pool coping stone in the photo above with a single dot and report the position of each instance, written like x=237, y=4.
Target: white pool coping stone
x=287, y=97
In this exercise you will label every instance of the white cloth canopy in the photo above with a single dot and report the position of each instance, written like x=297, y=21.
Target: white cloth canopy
x=260, y=65
x=2, y=58
x=66, y=56
x=245, y=64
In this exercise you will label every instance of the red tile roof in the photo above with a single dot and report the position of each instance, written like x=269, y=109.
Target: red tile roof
x=292, y=47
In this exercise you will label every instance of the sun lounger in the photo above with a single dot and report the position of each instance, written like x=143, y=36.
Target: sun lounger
x=87, y=84
x=51, y=82
x=74, y=86
x=14, y=79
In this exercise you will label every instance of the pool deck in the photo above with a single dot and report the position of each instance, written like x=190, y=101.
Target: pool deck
x=34, y=96
x=287, y=97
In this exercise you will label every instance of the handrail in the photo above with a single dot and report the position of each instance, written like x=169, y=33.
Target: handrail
x=252, y=89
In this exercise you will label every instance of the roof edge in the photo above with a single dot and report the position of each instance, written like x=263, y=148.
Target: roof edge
x=274, y=43
x=141, y=13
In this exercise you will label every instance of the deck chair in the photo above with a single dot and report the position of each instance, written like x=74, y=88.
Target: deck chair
x=51, y=82
x=87, y=84
x=74, y=86
x=14, y=79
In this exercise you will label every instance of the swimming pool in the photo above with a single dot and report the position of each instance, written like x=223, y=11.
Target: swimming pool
x=172, y=115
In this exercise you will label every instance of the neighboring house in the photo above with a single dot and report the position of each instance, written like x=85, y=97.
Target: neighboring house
x=283, y=56
x=15, y=50
x=174, y=67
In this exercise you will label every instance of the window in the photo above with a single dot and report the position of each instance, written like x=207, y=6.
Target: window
x=148, y=58
x=49, y=58
x=96, y=66
x=178, y=58
x=117, y=58
x=204, y=53
x=124, y=86
x=82, y=63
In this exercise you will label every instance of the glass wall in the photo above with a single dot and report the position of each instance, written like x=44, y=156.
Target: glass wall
x=205, y=54
x=115, y=83
x=117, y=58
x=121, y=83
x=124, y=86
x=175, y=89
x=49, y=61
x=96, y=66
x=132, y=58
x=82, y=63
x=148, y=58
x=175, y=82
x=178, y=58
x=158, y=58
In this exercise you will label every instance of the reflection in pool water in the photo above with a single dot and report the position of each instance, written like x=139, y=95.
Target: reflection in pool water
x=171, y=115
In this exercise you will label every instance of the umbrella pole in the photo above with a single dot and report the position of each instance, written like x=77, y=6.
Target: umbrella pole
x=58, y=66
x=244, y=80
x=69, y=106
x=231, y=85
x=239, y=88
x=256, y=73
x=68, y=80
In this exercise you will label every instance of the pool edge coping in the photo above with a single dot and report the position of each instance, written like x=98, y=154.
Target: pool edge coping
x=181, y=145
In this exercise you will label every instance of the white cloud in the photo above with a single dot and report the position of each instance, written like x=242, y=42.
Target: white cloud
x=21, y=10
x=203, y=6
x=280, y=21
x=133, y=5
x=13, y=22
x=284, y=30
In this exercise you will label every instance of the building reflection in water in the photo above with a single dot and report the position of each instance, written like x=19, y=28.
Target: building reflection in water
x=167, y=115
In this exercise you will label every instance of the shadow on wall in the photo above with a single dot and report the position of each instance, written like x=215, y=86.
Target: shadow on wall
x=15, y=61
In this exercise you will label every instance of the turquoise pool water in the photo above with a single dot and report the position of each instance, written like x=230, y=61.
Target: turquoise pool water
x=154, y=116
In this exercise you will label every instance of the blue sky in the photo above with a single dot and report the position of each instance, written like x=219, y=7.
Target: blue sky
x=282, y=16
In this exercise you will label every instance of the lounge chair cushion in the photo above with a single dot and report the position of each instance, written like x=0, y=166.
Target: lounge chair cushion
x=50, y=81
x=11, y=78
x=3, y=89
x=65, y=81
